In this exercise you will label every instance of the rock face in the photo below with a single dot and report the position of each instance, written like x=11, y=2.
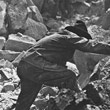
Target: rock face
x=97, y=8
x=38, y=3
x=2, y=42
x=19, y=43
x=8, y=55
x=106, y=20
x=80, y=8
x=49, y=9
x=85, y=63
x=36, y=30
x=3, y=30
x=106, y=4
x=16, y=15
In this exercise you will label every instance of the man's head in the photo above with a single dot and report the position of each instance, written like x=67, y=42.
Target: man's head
x=80, y=29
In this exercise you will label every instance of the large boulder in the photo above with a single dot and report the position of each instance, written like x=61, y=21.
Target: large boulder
x=38, y=3
x=9, y=86
x=106, y=4
x=80, y=7
x=8, y=55
x=96, y=8
x=49, y=9
x=36, y=30
x=106, y=20
x=34, y=11
x=16, y=15
x=85, y=63
x=19, y=43
x=3, y=30
x=2, y=42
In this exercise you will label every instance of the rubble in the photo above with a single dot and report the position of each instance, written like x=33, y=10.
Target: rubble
x=20, y=42
x=22, y=25
x=36, y=30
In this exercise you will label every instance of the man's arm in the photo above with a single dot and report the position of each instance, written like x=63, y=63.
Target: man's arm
x=92, y=46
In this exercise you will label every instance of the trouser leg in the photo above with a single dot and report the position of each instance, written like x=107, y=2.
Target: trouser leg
x=66, y=79
x=32, y=79
x=29, y=91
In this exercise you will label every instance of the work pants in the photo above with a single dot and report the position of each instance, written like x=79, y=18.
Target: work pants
x=32, y=79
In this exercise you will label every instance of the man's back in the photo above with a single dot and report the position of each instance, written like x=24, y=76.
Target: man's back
x=55, y=48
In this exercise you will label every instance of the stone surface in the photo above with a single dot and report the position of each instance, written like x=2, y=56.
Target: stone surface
x=85, y=63
x=9, y=86
x=106, y=20
x=3, y=30
x=2, y=42
x=97, y=8
x=36, y=30
x=8, y=55
x=38, y=3
x=16, y=15
x=19, y=43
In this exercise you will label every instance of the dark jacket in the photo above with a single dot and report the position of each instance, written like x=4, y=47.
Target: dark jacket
x=58, y=48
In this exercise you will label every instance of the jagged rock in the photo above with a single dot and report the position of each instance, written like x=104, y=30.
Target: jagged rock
x=49, y=7
x=16, y=15
x=6, y=73
x=91, y=107
x=34, y=12
x=106, y=20
x=52, y=91
x=33, y=107
x=3, y=30
x=85, y=63
x=38, y=3
x=101, y=70
x=36, y=30
x=8, y=55
x=80, y=8
x=40, y=103
x=9, y=86
x=96, y=8
x=20, y=43
x=53, y=25
x=106, y=4
x=1, y=87
x=2, y=42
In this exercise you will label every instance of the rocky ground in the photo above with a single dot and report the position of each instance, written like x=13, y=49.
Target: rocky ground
x=23, y=23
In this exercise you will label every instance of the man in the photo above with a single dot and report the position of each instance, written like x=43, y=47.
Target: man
x=45, y=62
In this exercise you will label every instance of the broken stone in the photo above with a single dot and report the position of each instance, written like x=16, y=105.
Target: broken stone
x=49, y=7
x=3, y=30
x=6, y=73
x=20, y=42
x=106, y=4
x=34, y=13
x=16, y=15
x=80, y=8
x=8, y=55
x=39, y=3
x=9, y=86
x=40, y=103
x=2, y=42
x=106, y=20
x=85, y=63
x=53, y=25
x=1, y=87
x=52, y=91
x=97, y=8
x=36, y=30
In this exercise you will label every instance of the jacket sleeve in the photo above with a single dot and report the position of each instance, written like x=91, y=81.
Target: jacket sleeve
x=91, y=46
